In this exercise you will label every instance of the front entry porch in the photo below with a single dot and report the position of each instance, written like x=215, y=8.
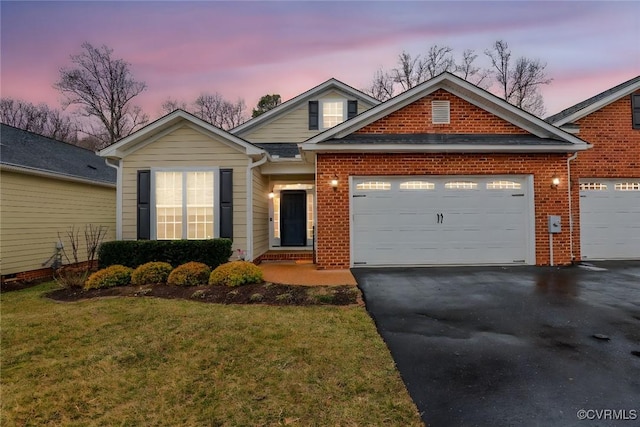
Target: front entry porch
x=291, y=218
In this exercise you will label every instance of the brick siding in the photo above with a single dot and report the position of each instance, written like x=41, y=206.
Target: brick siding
x=464, y=118
x=615, y=152
x=333, y=235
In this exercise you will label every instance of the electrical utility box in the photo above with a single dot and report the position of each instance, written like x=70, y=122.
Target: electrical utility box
x=554, y=224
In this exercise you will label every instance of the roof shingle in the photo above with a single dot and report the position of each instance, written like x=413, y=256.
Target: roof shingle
x=32, y=151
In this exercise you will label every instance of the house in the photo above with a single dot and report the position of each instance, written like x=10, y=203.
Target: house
x=445, y=173
x=259, y=193
x=607, y=177
x=48, y=186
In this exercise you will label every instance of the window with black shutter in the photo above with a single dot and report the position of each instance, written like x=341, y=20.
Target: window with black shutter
x=635, y=110
x=314, y=115
x=144, y=205
x=352, y=109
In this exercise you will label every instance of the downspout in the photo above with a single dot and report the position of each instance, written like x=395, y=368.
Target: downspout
x=252, y=166
x=118, y=168
x=569, y=183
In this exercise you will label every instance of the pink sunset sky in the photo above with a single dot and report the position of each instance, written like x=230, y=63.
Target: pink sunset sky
x=247, y=49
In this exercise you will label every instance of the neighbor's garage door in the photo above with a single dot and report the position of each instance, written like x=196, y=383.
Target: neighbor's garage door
x=610, y=218
x=423, y=220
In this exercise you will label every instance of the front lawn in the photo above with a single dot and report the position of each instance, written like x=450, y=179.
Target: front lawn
x=156, y=362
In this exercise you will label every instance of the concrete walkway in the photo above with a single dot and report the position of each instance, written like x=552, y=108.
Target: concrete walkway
x=304, y=273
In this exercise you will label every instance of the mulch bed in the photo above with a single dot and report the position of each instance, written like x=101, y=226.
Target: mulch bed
x=263, y=293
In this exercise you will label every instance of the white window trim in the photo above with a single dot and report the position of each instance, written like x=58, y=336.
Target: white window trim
x=310, y=188
x=216, y=199
x=321, y=111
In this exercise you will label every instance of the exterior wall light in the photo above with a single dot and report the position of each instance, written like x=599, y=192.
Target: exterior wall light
x=555, y=181
x=272, y=195
x=334, y=183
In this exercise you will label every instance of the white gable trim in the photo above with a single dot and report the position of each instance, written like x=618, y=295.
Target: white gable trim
x=458, y=87
x=168, y=124
x=311, y=94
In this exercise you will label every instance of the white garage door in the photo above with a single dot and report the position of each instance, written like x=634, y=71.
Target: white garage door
x=610, y=218
x=426, y=220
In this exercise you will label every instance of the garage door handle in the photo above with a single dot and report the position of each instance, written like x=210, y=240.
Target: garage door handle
x=440, y=218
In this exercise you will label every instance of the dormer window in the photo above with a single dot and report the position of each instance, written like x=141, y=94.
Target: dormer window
x=328, y=113
x=332, y=113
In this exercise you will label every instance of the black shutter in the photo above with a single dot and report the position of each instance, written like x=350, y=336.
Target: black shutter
x=226, y=203
x=314, y=113
x=635, y=108
x=352, y=109
x=144, y=205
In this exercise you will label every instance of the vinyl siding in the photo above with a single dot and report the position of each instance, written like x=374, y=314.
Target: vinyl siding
x=35, y=209
x=260, y=214
x=294, y=125
x=186, y=148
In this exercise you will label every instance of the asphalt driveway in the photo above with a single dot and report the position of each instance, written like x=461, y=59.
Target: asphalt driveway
x=516, y=346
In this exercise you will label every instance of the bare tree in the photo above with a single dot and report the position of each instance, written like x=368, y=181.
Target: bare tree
x=438, y=60
x=519, y=82
x=40, y=119
x=382, y=86
x=410, y=71
x=103, y=88
x=216, y=110
x=468, y=71
x=170, y=105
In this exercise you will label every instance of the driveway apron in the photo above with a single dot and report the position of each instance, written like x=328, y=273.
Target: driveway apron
x=513, y=346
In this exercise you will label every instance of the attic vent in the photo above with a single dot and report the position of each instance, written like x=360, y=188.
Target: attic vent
x=440, y=112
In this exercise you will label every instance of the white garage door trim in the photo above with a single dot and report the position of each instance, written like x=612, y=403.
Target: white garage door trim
x=609, y=218
x=459, y=205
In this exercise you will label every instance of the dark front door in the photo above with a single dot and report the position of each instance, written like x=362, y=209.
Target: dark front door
x=293, y=218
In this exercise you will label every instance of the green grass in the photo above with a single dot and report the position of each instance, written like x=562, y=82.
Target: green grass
x=153, y=362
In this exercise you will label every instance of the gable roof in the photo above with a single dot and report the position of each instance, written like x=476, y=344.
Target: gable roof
x=27, y=152
x=594, y=103
x=167, y=124
x=311, y=94
x=545, y=132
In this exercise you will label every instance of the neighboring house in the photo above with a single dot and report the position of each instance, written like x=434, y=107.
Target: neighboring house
x=445, y=173
x=48, y=186
x=607, y=177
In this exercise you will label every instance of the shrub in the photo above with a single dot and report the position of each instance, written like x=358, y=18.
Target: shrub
x=133, y=253
x=71, y=276
x=236, y=273
x=151, y=273
x=189, y=274
x=116, y=275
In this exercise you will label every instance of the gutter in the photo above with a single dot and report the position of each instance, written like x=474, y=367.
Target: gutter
x=569, y=183
x=118, y=167
x=440, y=148
x=252, y=165
x=55, y=175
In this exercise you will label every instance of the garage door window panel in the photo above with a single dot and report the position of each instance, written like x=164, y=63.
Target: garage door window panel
x=417, y=185
x=593, y=186
x=374, y=185
x=627, y=186
x=504, y=185
x=461, y=185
